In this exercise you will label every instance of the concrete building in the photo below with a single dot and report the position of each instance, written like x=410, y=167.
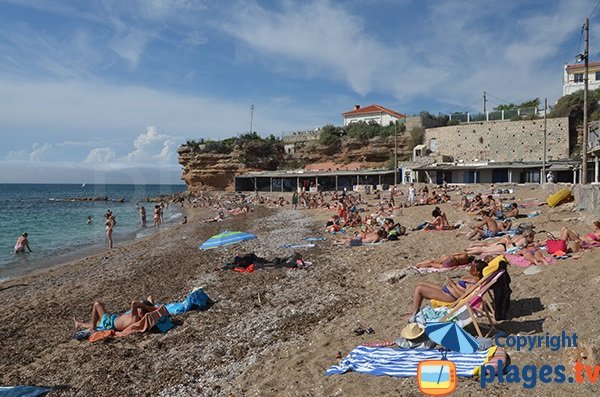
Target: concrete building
x=376, y=113
x=282, y=181
x=496, y=152
x=573, y=77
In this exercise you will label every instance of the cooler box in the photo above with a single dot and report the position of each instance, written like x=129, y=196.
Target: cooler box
x=558, y=197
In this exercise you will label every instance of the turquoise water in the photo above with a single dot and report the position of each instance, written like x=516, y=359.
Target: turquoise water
x=57, y=225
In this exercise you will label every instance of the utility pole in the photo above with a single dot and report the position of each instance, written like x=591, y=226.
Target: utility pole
x=484, y=102
x=583, y=180
x=545, y=136
x=395, y=153
x=251, y=116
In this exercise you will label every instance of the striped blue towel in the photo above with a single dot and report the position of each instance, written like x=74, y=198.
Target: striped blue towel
x=402, y=363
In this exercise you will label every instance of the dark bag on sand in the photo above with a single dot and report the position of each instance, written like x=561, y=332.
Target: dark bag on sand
x=502, y=294
x=522, y=227
x=245, y=261
x=290, y=262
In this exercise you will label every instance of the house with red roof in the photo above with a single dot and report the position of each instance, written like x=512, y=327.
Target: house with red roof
x=377, y=113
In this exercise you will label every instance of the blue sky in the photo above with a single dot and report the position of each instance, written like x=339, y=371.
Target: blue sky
x=106, y=90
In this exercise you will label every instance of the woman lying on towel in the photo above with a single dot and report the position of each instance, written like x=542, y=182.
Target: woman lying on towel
x=104, y=321
x=449, y=292
x=505, y=243
x=447, y=261
x=569, y=235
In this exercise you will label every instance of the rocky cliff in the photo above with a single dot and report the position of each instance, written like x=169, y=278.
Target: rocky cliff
x=204, y=171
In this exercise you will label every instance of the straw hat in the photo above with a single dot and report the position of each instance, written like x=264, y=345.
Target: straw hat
x=412, y=331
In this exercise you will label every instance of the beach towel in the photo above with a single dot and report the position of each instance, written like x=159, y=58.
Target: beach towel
x=297, y=246
x=589, y=245
x=518, y=260
x=403, y=363
x=316, y=238
x=424, y=270
x=23, y=391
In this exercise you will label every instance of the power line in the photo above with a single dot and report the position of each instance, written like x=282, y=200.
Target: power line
x=581, y=37
x=500, y=99
x=595, y=8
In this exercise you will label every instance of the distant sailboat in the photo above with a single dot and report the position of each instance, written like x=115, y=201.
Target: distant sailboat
x=83, y=184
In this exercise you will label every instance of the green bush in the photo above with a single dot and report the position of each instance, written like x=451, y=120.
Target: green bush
x=417, y=136
x=330, y=136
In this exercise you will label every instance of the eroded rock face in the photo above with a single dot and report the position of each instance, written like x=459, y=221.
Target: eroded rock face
x=212, y=171
x=209, y=171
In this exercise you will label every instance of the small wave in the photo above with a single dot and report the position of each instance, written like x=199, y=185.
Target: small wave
x=143, y=234
x=174, y=216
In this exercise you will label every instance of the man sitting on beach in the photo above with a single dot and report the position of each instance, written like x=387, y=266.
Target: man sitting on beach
x=486, y=229
x=21, y=243
x=104, y=321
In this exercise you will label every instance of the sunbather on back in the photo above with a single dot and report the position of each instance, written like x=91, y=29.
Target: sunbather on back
x=102, y=320
x=447, y=261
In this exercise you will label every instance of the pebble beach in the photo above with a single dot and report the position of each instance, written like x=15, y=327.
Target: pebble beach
x=274, y=332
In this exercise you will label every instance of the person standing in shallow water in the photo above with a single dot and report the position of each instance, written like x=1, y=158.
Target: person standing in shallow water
x=110, y=224
x=157, y=216
x=21, y=244
x=143, y=216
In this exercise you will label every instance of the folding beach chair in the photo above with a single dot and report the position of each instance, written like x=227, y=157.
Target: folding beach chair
x=476, y=302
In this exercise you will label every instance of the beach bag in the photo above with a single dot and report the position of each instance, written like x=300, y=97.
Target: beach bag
x=553, y=244
x=164, y=324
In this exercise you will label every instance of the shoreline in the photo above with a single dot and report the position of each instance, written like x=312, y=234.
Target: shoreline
x=10, y=271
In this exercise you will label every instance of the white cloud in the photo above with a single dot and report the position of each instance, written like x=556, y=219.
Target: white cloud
x=131, y=46
x=316, y=35
x=36, y=153
x=453, y=54
x=100, y=155
x=151, y=145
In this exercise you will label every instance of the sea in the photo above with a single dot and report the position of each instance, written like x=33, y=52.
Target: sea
x=56, y=221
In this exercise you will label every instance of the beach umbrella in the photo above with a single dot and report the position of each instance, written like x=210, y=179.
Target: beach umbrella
x=226, y=238
x=451, y=336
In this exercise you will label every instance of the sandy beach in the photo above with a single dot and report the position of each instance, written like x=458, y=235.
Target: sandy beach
x=274, y=332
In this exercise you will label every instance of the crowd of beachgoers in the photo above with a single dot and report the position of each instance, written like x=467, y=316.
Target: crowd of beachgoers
x=361, y=246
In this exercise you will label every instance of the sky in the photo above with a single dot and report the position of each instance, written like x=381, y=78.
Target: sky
x=105, y=91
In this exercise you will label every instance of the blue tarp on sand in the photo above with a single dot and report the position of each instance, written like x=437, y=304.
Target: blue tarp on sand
x=197, y=299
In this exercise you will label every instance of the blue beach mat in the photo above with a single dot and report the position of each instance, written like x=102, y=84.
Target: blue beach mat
x=403, y=363
x=23, y=391
x=316, y=238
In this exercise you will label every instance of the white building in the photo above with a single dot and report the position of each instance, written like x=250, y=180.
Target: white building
x=573, y=77
x=376, y=113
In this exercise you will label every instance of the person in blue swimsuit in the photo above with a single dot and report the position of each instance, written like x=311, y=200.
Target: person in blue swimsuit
x=449, y=292
x=104, y=321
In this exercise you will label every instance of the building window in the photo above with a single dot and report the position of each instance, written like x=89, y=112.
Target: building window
x=597, y=76
x=578, y=77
